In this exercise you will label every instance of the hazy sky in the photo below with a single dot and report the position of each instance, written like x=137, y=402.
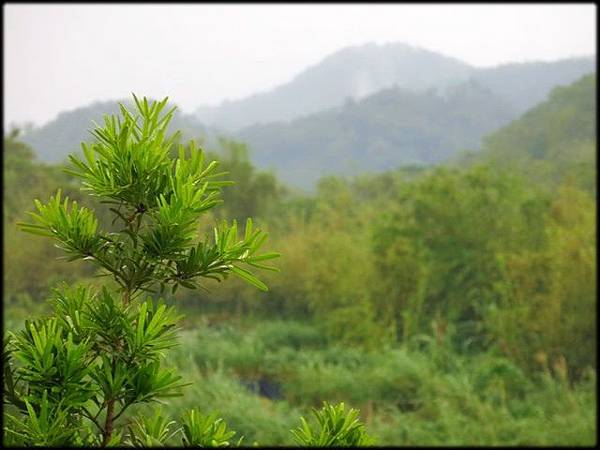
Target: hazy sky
x=59, y=57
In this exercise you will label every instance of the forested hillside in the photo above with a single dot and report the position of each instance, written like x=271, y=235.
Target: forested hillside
x=392, y=128
x=452, y=304
x=552, y=143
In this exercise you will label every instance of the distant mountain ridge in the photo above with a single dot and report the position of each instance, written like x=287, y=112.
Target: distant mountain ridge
x=372, y=128
x=524, y=85
x=355, y=72
x=391, y=128
x=351, y=72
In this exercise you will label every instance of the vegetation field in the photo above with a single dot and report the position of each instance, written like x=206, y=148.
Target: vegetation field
x=451, y=304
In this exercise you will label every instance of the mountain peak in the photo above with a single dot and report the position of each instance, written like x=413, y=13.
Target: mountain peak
x=354, y=71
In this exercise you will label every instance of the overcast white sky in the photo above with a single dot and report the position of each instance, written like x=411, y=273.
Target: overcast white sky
x=59, y=57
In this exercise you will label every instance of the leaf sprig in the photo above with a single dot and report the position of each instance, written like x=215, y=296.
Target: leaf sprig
x=335, y=428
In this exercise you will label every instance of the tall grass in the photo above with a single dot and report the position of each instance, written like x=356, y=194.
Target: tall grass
x=407, y=396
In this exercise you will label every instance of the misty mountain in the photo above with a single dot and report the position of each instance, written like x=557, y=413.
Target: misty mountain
x=525, y=85
x=355, y=72
x=378, y=107
x=351, y=72
x=63, y=135
x=391, y=128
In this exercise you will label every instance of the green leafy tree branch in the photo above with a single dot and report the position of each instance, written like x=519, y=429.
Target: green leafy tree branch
x=70, y=378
